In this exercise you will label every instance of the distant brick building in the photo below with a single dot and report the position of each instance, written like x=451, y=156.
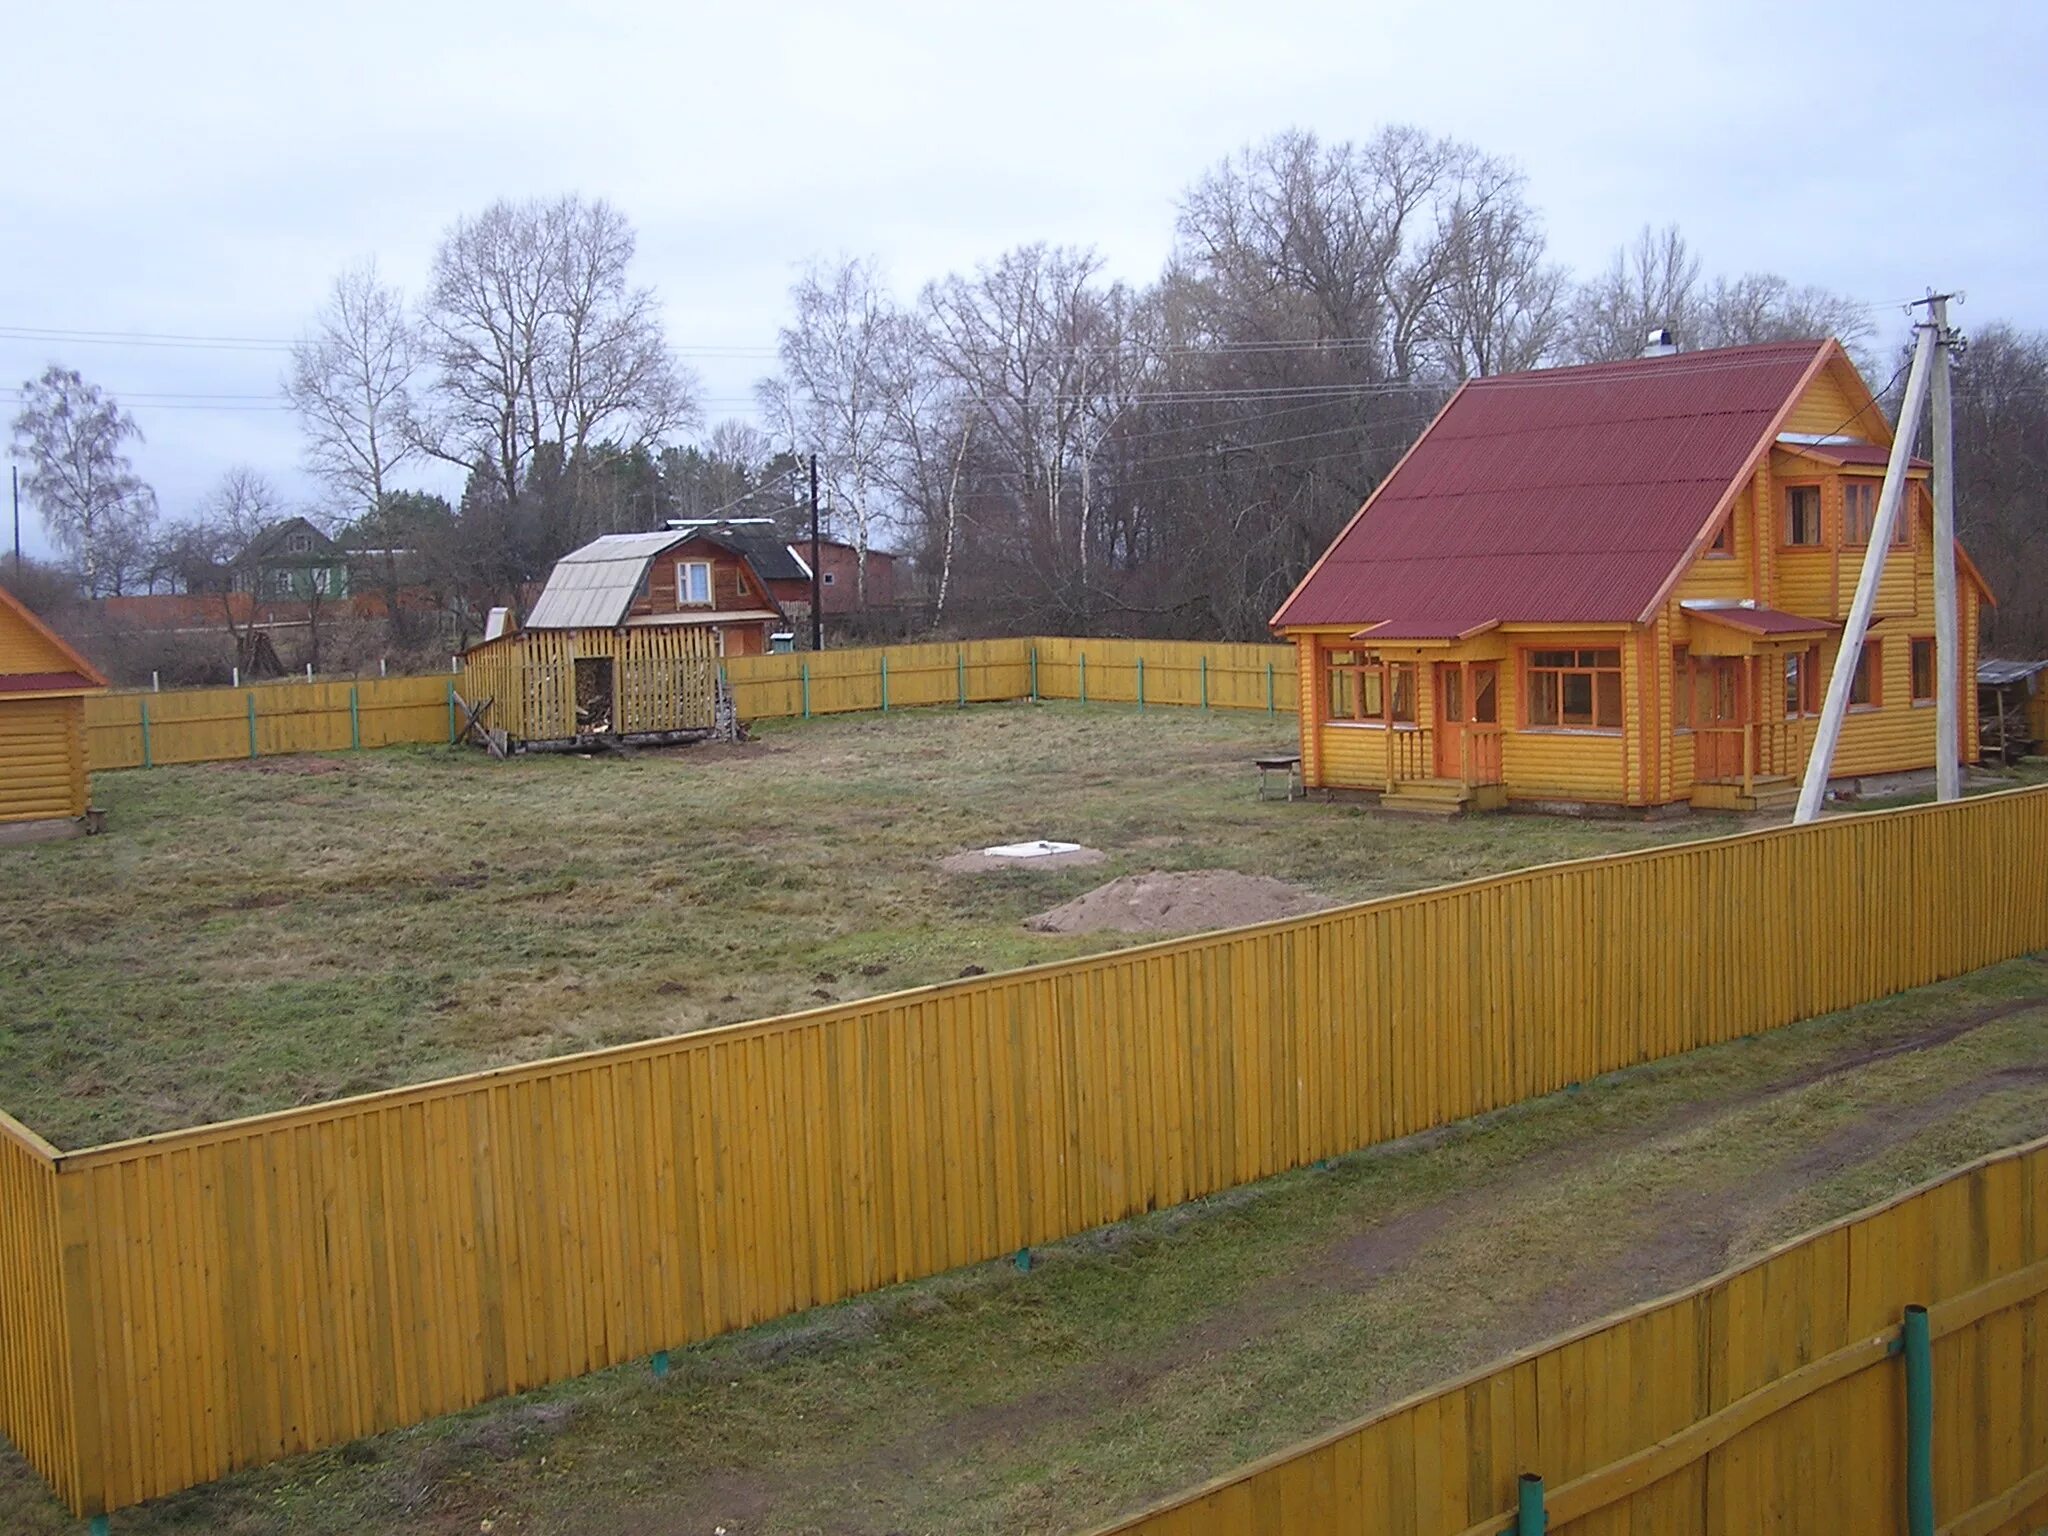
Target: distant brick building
x=839, y=575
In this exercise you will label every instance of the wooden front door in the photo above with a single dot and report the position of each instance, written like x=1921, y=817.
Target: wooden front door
x=1717, y=717
x=1467, y=694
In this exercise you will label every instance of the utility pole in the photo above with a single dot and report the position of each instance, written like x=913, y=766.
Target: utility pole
x=1948, y=650
x=817, y=579
x=1813, y=787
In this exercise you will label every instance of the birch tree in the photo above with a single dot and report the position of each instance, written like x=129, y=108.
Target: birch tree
x=74, y=438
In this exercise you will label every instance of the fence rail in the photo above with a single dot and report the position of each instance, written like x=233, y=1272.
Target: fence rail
x=238, y=1292
x=198, y=725
x=1771, y=1398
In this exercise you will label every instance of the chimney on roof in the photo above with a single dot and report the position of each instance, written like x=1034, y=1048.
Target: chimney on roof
x=1660, y=344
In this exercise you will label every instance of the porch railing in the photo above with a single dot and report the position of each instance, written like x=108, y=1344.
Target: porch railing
x=1756, y=749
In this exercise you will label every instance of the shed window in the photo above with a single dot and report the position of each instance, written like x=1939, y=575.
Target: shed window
x=693, y=583
x=1362, y=686
x=1802, y=514
x=1865, y=687
x=1923, y=670
x=1579, y=688
x=828, y=578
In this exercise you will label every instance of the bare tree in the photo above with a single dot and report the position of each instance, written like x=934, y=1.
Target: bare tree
x=835, y=389
x=1654, y=283
x=542, y=346
x=350, y=381
x=99, y=511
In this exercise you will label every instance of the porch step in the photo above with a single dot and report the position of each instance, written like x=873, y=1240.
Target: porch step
x=1427, y=797
x=1771, y=792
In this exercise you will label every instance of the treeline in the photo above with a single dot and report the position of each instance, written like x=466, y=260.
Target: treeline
x=1054, y=450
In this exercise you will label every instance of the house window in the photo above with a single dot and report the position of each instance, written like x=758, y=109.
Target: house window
x=693, y=583
x=1865, y=690
x=1902, y=525
x=1802, y=514
x=739, y=583
x=1859, y=510
x=1723, y=547
x=323, y=580
x=1361, y=686
x=1802, y=683
x=1681, y=689
x=1923, y=670
x=1486, y=696
x=828, y=578
x=299, y=544
x=1579, y=689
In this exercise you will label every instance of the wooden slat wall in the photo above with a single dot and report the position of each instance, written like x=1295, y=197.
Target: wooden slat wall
x=666, y=681
x=1776, y=1375
x=203, y=725
x=299, y=1279
x=35, y=1405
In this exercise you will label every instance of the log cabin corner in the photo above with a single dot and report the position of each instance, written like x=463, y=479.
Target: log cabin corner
x=45, y=783
x=1623, y=585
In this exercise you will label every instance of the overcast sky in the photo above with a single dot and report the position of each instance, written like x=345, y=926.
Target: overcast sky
x=203, y=170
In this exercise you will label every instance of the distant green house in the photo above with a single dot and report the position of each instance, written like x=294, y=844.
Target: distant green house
x=293, y=561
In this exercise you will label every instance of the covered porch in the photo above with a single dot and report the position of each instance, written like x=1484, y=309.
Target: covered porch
x=1750, y=694
x=1436, y=704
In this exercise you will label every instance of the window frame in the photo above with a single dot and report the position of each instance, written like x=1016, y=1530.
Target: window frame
x=1387, y=679
x=683, y=599
x=1591, y=671
x=1860, y=484
x=1722, y=545
x=1870, y=660
x=1916, y=647
x=1820, y=516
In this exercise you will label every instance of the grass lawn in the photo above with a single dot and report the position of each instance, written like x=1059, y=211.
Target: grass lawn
x=253, y=936
x=1140, y=1359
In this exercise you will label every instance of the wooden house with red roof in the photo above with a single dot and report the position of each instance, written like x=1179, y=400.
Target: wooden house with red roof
x=1624, y=584
x=43, y=683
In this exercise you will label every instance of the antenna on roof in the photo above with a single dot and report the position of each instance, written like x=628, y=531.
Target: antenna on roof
x=1659, y=343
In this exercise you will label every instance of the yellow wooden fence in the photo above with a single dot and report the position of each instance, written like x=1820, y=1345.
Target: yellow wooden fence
x=234, y=1293
x=196, y=725
x=1768, y=1399
x=201, y=725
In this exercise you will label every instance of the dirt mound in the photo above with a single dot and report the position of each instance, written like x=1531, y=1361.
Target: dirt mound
x=1187, y=901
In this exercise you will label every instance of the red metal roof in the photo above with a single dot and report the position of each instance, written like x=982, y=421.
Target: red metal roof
x=1568, y=495
x=44, y=682
x=1763, y=621
x=1853, y=453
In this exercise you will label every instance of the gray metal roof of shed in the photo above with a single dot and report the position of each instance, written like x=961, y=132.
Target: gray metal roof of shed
x=1996, y=673
x=593, y=587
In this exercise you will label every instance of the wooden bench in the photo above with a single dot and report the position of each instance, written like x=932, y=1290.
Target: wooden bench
x=1285, y=763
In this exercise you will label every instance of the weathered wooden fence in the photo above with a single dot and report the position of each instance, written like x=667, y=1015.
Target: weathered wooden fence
x=1772, y=1398
x=196, y=725
x=218, y=1297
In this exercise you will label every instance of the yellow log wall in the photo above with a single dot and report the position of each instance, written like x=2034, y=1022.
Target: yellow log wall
x=243, y=1291
x=42, y=759
x=1764, y=1400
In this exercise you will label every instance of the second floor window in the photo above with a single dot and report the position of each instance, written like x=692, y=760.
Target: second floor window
x=693, y=583
x=1802, y=515
x=1859, y=510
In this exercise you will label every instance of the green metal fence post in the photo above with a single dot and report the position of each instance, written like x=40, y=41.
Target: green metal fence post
x=660, y=1364
x=1205, y=680
x=252, y=720
x=97, y=1526
x=805, y=668
x=1269, y=688
x=960, y=662
x=885, y=682
x=1141, y=685
x=1919, y=1355
x=1082, y=668
x=1034, y=674
x=355, y=717
x=1530, y=1516
x=146, y=760
x=451, y=711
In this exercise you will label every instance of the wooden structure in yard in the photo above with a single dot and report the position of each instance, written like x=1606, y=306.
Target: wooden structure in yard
x=548, y=685
x=182, y=1305
x=2012, y=706
x=1624, y=584
x=45, y=786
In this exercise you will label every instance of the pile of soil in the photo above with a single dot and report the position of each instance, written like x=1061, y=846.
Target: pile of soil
x=1187, y=901
x=972, y=861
